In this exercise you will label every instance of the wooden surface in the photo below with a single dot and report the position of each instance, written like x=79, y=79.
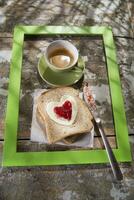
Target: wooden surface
x=68, y=182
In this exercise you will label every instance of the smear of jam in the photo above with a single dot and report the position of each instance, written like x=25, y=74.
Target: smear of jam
x=64, y=111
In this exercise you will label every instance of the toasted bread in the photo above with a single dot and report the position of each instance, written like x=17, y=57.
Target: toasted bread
x=68, y=140
x=56, y=132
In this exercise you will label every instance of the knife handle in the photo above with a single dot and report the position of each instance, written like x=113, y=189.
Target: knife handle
x=113, y=162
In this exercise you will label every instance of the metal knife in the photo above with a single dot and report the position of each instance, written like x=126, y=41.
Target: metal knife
x=89, y=99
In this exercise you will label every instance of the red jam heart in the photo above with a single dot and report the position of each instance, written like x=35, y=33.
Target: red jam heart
x=65, y=110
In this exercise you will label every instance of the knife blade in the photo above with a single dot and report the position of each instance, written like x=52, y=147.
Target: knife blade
x=89, y=99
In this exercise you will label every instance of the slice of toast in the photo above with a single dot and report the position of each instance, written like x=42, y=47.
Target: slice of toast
x=68, y=140
x=56, y=132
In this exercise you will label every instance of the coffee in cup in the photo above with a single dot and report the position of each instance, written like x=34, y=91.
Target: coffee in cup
x=61, y=55
x=61, y=58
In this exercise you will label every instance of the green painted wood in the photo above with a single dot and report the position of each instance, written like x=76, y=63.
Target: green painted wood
x=13, y=158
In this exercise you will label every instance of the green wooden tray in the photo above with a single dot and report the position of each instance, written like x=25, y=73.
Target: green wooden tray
x=10, y=155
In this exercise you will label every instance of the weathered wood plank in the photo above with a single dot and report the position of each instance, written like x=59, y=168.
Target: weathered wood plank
x=25, y=134
x=25, y=145
x=118, y=15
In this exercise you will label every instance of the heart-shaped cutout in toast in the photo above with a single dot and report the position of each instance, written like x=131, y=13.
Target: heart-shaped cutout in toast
x=63, y=112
